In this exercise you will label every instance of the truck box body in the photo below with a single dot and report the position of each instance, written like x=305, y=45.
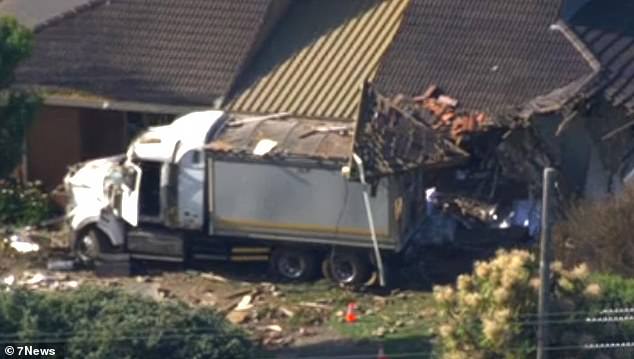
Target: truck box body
x=295, y=191
x=306, y=204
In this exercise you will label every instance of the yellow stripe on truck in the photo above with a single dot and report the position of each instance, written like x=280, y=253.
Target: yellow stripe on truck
x=251, y=225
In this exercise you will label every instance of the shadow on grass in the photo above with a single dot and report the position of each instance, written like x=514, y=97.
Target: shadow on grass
x=424, y=267
x=403, y=347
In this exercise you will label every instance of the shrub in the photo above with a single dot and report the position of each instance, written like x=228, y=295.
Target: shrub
x=17, y=108
x=599, y=233
x=491, y=313
x=100, y=323
x=23, y=204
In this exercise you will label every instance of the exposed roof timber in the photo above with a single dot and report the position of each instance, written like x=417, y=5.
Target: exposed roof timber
x=562, y=27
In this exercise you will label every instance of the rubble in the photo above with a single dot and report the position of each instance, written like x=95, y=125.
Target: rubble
x=21, y=243
x=60, y=264
x=237, y=317
x=478, y=163
x=245, y=303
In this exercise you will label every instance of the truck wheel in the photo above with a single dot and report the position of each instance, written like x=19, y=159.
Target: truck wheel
x=293, y=264
x=326, y=269
x=350, y=268
x=90, y=244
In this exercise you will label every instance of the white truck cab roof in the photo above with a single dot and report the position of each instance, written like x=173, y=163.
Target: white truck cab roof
x=171, y=142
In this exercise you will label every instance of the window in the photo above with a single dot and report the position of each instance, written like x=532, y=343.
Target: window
x=138, y=121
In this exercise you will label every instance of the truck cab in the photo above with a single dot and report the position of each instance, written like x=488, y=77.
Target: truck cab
x=159, y=182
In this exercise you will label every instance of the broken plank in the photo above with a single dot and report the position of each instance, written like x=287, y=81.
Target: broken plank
x=617, y=130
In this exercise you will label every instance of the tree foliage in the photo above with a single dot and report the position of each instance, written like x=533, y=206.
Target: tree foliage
x=490, y=314
x=599, y=233
x=17, y=107
x=96, y=323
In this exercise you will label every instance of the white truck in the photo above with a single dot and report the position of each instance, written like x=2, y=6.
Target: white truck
x=216, y=186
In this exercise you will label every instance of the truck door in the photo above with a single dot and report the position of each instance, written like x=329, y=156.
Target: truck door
x=130, y=195
x=191, y=190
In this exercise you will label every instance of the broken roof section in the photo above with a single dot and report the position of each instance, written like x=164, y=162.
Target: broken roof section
x=607, y=30
x=185, y=52
x=32, y=13
x=394, y=135
x=490, y=54
x=284, y=138
x=318, y=57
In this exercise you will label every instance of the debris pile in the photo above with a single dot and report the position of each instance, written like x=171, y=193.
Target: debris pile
x=448, y=118
x=38, y=280
x=479, y=163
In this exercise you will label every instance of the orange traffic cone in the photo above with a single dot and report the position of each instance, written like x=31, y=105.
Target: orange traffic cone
x=351, y=316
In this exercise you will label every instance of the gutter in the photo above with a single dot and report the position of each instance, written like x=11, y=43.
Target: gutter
x=126, y=106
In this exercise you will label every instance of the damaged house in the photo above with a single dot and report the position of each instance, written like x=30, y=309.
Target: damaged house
x=553, y=80
x=518, y=86
x=108, y=69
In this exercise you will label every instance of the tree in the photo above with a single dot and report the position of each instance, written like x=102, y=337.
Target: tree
x=17, y=107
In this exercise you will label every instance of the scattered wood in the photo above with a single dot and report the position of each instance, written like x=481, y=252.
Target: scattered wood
x=449, y=101
x=287, y=312
x=236, y=317
x=316, y=305
x=431, y=90
x=276, y=116
x=214, y=277
x=617, y=130
x=229, y=306
x=245, y=303
x=238, y=293
x=274, y=328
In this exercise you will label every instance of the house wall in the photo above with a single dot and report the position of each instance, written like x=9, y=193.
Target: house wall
x=53, y=143
x=62, y=136
x=103, y=133
x=593, y=166
x=571, y=149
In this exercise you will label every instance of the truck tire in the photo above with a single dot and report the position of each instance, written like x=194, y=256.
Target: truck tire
x=349, y=267
x=294, y=264
x=90, y=244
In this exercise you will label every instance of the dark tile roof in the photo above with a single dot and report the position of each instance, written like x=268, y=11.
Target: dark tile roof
x=185, y=52
x=607, y=29
x=36, y=12
x=488, y=54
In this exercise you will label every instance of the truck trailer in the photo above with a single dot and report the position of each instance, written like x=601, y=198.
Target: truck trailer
x=218, y=186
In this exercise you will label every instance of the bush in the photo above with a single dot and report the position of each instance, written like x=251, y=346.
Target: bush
x=25, y=204
x=491, y=313
x=99, y=323
x=17, y=108
x=599, y=233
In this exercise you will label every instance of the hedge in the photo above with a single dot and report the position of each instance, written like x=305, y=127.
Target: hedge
x=105, y=323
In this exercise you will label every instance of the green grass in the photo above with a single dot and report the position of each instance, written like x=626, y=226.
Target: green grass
x=398, y=316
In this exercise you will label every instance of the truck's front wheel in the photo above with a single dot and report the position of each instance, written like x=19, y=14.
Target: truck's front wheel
x=89, y=245
x=294, y=264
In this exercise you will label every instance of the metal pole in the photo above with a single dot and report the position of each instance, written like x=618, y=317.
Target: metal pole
x=368, y=209
x=544, y=264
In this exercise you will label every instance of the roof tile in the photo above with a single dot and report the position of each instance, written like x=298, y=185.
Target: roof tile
x=489, y=54
x=609, y=33
x=318, y=57
x=185, y=52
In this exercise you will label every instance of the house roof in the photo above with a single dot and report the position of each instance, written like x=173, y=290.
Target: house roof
x=32, y=13
x=489, y=54
x=318, y=57
x=607, y=30
x=185, y=52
